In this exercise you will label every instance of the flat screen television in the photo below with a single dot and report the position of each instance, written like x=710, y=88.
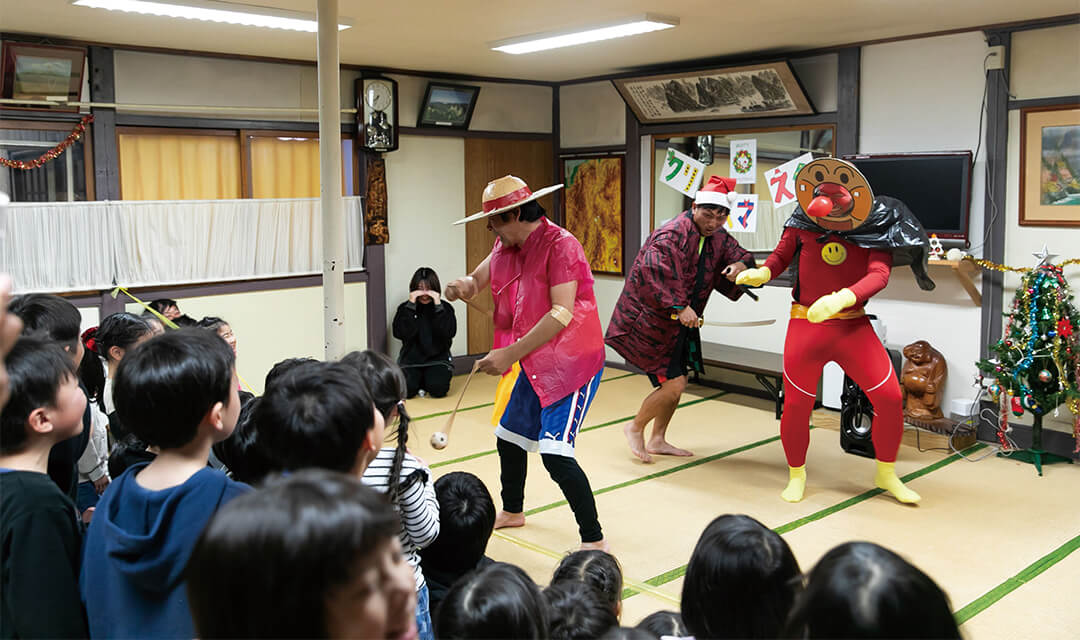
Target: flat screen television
x=935, y=186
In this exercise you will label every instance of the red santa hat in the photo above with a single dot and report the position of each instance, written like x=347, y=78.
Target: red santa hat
x=717, y=191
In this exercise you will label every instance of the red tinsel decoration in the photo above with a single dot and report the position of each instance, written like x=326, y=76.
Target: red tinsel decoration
x=53, y=153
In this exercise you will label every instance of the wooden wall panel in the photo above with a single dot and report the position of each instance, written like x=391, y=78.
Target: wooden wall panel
x=485, y=160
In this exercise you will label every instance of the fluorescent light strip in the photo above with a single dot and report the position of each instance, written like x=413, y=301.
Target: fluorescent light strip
x=212, y=11
x=544, y=41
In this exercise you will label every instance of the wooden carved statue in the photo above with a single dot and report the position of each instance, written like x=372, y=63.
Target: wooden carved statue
x=923, y=381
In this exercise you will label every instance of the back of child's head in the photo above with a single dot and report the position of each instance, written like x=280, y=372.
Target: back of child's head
x=862, y=590
x=157, y=327
x=111, y=340
x=741, y=581
x=598, y=569
x=663, y=623
x=242, y=452
x=269, y=562
x=281, y=368
x=36, y=370
x=498, y=601
x=627, y=633
x=48, y=317
x=577, y=611
x=466, y=520
x=161, y=305
x=316, y=415
x=387, y=384
x=165, y=388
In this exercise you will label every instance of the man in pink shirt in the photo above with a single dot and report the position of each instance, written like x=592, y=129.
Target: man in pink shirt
x=546, y=319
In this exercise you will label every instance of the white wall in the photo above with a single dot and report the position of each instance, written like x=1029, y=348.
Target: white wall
x=168, y=79
x=425, y=183
x=591, y=114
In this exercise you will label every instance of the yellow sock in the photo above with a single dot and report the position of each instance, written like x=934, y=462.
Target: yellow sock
x=886, y=479
x=796, y=484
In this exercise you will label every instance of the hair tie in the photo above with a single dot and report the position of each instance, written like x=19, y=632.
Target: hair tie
x=88, y=339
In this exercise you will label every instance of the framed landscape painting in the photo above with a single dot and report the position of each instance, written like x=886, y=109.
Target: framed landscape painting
x=593, y=209
x=1050, y=166
x=750, y=91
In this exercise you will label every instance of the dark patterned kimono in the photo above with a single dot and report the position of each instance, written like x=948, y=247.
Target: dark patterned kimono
x=669, y=274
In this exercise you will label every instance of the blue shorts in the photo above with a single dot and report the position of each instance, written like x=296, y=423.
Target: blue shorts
x=552, y=429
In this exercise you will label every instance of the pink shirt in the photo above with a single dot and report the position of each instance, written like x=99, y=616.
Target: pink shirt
x=521, y=281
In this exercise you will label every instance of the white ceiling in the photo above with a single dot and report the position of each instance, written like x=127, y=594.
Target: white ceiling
x=452, y=36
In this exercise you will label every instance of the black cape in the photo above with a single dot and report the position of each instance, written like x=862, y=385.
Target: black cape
x=890, y=226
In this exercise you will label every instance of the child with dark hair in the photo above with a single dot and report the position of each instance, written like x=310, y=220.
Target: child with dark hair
x=39, y=534
x=56, y=320
x=862, y=590
x=498, y=601
x=281, y=368
x=184, y=321
x=166, y=307
x=311, y=555
x=466, y=520
x=741, y=581
x=321, y=415
x=157, y=327
x=400, y=475
x=598, y=569
x=577, y=611
x=222, y=328
x=178, y=393
x=663, y=623
x=117, y=334
x=242, y=453
x=10, y=327
x=426, y=327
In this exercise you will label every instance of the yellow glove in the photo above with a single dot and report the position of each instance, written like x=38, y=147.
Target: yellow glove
x=829, y=305
x=754, y=277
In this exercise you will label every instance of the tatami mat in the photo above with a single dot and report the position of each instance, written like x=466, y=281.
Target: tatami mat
x=980, y=524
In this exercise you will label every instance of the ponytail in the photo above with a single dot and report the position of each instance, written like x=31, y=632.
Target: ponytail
x=91, y=369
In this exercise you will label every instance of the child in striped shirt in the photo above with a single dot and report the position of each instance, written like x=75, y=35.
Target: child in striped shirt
x=403, y=477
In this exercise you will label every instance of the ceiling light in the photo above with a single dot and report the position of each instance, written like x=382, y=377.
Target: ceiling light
x=214, y=11
x=553, y=40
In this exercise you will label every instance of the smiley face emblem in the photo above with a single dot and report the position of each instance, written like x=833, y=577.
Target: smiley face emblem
x=833, y=253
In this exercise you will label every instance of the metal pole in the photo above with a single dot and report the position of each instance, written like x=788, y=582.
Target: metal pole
x=333, y=216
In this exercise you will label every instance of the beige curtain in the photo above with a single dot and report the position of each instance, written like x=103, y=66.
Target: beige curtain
x=286, y=167
x=179, y=167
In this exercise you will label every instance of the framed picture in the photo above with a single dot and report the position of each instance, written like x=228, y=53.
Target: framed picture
x=593, y=208
x=448, y=105
x=41, y=72
x=751, y=91
x=1050, y=166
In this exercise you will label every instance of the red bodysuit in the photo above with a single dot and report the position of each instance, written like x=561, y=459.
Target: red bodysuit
x=826, y=267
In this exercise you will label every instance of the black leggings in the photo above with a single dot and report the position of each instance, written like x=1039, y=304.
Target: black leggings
x=566, y=472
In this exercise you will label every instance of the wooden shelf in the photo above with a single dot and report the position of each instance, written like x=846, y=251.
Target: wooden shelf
x=963, y=269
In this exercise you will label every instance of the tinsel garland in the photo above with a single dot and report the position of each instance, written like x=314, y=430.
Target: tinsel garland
x=993, y=266
x=53, y=153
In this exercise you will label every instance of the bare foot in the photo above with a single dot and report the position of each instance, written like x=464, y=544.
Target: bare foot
x=507, y=520
x=599, y=545
x=636, y=439
x=665, y=448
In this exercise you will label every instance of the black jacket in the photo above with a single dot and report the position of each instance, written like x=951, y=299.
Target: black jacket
x=425, y=330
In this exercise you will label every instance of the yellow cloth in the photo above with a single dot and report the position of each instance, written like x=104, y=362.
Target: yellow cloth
x=503, y=391
x=754, y=277
x=829, y=306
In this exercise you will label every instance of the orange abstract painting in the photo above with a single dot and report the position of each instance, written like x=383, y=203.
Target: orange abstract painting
x=594, y=209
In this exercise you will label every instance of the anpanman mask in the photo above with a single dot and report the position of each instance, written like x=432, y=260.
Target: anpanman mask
x=834, y=194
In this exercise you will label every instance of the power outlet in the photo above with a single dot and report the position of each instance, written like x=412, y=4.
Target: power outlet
x=996, y=58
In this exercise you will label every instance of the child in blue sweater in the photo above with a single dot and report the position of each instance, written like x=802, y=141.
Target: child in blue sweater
x=178, y=393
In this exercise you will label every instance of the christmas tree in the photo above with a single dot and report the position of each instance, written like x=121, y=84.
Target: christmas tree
x=1037, y=363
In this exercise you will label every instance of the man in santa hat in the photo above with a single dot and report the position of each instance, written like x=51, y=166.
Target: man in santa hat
x=655, y=324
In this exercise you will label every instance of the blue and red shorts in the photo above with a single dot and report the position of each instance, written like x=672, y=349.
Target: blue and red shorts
x=552, y=429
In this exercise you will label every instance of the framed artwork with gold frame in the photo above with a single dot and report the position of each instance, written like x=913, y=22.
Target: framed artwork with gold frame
x=1050, y=166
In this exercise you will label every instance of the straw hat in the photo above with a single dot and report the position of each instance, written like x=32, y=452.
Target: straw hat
x=505, y=193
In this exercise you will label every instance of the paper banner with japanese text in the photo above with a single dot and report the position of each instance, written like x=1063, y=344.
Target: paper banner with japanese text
x=682, y=173
x=782, y=179
x=744, y=215
x=743, y=161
